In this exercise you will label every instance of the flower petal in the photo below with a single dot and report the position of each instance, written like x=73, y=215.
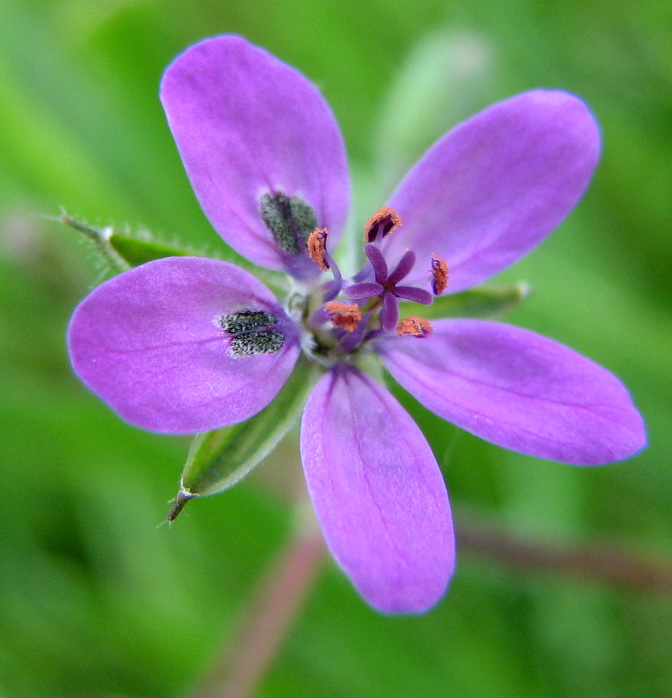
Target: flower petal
x=148, y=344
x=378, y=493
x=519, y=390
x=246, y=125
x=495, y=186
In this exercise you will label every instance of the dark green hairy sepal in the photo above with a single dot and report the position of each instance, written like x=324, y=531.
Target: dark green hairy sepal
x=121, y=250
x=219, y=459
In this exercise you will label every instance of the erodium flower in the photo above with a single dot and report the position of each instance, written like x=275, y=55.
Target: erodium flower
x=187, y=344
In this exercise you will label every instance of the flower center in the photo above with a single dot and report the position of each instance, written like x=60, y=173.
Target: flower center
x=366, y=306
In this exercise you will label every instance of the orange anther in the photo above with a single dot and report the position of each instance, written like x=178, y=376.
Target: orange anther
x=439, y=274
x=414, y=326
x=345, y=315
x=384, y=221
x=317, y=244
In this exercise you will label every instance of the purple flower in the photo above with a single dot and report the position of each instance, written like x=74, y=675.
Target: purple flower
x=186, y=344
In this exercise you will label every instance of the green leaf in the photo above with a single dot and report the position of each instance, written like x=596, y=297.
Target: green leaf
x=482, y=302
x=219, y=459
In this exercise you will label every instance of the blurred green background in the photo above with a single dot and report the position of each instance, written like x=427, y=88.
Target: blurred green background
x=98, y=601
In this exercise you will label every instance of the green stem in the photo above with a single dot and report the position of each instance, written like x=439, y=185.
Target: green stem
x=267, y=619
x=603, y=563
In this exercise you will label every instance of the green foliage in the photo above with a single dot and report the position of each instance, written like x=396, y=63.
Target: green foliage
x=95, y=600
x=487, y=301
x=219, y=459
x=136, y=251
